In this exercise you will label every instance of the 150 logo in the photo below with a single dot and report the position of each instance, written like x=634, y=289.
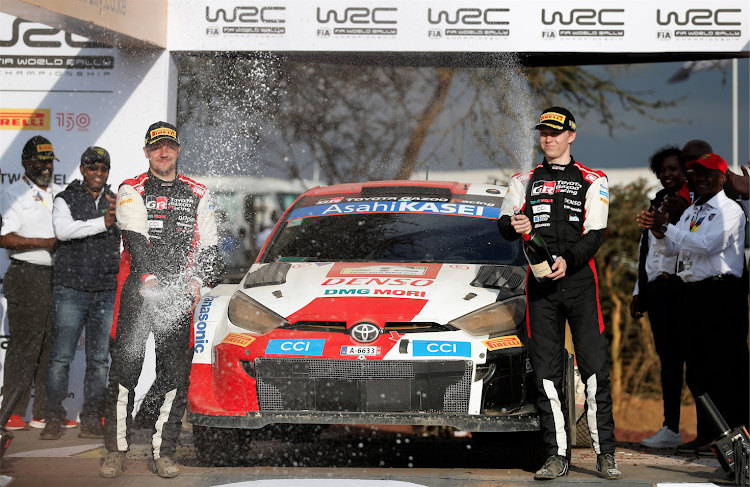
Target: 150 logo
x=71, y=120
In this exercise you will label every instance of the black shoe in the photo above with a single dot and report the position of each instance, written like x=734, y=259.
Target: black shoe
x=555, y=466
x=51, y=431
x=691, y=446
x=91, y=431
x=607, y=466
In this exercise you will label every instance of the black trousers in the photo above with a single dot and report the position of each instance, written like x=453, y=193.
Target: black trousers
x=576, y=300
x=167, y=319
x=714, y=319
x=664, y=296
x=28, y=289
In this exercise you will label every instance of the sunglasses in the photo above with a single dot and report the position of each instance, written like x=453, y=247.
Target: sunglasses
x=93, y=166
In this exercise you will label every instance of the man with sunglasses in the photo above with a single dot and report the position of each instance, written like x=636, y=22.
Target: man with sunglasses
x=85, y=279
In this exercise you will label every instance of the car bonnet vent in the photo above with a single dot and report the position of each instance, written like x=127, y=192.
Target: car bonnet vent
x=497, y=276
x=267, y=275
x=406, y=191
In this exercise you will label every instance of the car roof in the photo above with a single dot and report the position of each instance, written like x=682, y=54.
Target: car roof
x=357, y=188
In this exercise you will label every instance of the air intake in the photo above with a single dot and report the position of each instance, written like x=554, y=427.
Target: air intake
x=268, y=275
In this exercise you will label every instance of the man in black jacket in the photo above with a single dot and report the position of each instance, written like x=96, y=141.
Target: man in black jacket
x=567, y=204
x=171, y=245
x=84, y=274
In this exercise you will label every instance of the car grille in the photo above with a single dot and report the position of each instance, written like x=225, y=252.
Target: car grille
x=296, y=384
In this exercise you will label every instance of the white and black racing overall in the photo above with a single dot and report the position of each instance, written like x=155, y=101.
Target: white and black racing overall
x=567, y=206
x=169, y=232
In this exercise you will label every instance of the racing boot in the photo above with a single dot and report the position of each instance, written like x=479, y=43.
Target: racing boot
x=113, y=465
x=555, y=466
x=166, y=468
x=607, y=466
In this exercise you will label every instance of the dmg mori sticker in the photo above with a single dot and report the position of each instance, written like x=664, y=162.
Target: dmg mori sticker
x=238, y=339
x=500, y=343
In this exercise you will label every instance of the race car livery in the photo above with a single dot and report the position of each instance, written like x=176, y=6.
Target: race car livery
x=391, y=302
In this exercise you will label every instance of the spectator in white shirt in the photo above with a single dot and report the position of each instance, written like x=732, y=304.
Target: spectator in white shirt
x=709, y=243
x=27, y=234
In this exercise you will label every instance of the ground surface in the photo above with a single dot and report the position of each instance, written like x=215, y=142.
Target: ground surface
x=339, y=456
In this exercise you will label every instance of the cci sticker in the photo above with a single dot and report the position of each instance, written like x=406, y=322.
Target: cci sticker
x=440, y=349
x=296, y=347
x=238, y=339
x=500, y=343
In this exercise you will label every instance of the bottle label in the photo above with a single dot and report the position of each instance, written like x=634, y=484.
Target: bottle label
x=540, y=270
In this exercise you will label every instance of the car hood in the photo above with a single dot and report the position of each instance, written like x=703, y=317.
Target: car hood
x=374, y=292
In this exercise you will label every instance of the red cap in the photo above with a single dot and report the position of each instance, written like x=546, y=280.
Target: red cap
x=709, y=161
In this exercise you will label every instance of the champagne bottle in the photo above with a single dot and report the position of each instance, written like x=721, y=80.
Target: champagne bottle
x=537, y=254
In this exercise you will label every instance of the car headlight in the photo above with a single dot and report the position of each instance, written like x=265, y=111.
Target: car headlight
x=500, y=317
x=247, y=313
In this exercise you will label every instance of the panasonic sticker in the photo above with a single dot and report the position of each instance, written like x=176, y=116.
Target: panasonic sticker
x=423, y=348
x=397, y=207
x=296, y=347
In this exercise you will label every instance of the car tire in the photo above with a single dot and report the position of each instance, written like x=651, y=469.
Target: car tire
x=583, y=434
x=216, y=447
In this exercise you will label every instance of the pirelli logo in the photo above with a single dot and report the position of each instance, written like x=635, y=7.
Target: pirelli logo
x=162, y=132
x=38, y=119
x=126, y=202
x=500, y=343
x=238, y=339
x=552, y=116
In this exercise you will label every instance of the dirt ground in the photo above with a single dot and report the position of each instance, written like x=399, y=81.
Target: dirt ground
x=640, y=417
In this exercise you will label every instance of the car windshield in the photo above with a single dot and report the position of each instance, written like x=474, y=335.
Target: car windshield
x=392, y=237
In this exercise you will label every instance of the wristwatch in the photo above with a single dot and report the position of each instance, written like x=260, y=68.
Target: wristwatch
x=663, y=227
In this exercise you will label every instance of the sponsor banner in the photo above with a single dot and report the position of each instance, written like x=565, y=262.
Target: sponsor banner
x=344, y=269
x=500, y=343
x=396, y=207
x=458, y=25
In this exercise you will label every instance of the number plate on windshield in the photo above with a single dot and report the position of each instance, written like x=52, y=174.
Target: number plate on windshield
x=360, y=351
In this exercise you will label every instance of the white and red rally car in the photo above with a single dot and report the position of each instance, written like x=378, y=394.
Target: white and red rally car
x=389, y=302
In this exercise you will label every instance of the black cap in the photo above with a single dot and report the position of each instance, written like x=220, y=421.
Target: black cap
x=38, y=148
x=557, y=118
x=161, y=130
x=94, y=154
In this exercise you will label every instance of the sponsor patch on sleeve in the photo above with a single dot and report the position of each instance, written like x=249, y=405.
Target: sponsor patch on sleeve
x=126, y=201
x=238, y=339
x=604, y=200
x=500, y=343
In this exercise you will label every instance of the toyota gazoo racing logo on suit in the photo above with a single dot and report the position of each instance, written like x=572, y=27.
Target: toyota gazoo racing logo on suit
x=380, y=303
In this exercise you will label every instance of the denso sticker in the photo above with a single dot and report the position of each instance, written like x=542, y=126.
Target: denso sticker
x=423, y=348
x=541, y=209
x=296, y=347
x=500, y=343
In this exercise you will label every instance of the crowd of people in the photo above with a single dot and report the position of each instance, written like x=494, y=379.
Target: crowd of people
x=692, y=282
x=167, y=227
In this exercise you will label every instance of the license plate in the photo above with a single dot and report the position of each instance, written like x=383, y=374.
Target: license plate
x=360, y=351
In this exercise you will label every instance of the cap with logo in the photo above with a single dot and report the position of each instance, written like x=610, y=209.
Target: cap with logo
x=38, y=148
x=709, y=161
x=160, y=131
x=94, y=154
x=557, y=118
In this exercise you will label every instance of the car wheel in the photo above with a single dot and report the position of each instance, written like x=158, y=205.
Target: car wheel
x=216, y=447
x=583, y=434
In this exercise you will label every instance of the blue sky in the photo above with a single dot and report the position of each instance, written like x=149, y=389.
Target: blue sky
x=707, y=108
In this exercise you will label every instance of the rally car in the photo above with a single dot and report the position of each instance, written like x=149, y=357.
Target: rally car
x=390, y=302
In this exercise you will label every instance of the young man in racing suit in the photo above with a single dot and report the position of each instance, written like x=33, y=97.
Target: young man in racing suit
x=566, y=203
x=169, y=233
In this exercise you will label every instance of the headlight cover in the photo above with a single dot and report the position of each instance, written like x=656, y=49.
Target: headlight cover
x=500, y=317
x=247, y=313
